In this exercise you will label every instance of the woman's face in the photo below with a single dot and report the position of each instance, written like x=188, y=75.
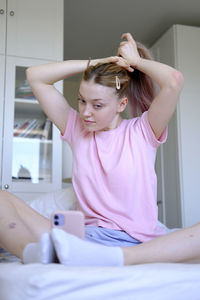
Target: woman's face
x=99, y=106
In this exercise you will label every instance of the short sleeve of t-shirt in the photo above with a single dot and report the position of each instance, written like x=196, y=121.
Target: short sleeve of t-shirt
x=142, y=124
x=73, y=126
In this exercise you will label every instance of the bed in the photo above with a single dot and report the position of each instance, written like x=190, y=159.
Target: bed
x=54, y=281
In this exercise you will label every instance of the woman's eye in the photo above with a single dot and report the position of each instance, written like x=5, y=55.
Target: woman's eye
x=97, y=106
x=81, y=100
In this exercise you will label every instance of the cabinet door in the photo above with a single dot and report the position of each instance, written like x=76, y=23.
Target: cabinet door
x=2, y=26
x=35, y=29
x=2, y=72
x=32, y=148
x=167, y=159
x=188, y=62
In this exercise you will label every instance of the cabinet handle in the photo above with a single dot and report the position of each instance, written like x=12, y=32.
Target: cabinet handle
x=1, y=11
x=6, y=186
x=12, y=13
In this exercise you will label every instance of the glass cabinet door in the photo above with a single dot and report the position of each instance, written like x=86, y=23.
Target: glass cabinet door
x=32, y=147
x=2, y=75
x=32, y=135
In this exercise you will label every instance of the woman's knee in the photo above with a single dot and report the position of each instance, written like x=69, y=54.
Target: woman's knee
x=6, y=196
x=9, y=201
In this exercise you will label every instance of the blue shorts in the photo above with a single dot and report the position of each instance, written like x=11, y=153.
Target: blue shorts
x=109, y=237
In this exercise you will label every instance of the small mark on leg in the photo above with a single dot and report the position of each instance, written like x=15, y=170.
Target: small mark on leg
x=12, y=225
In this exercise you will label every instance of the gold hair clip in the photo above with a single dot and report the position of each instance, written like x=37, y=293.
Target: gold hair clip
x=117, y=81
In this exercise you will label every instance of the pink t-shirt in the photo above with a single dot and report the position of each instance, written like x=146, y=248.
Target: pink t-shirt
x=114, y=176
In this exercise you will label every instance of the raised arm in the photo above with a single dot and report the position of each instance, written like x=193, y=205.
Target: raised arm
x=41, y=79
x=169, y=80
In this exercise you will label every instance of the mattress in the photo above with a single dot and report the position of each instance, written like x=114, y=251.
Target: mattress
x=141, y=282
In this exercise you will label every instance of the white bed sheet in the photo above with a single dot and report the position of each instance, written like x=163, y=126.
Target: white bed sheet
x=58, y=282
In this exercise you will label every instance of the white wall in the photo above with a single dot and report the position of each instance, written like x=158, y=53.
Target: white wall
x=71, y=88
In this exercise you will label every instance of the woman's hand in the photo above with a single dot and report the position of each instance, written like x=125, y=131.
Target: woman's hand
x=128, y=50
x=110, y=59
x=120, y=61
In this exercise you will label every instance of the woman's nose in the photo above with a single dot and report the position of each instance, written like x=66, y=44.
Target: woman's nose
x=87, y=111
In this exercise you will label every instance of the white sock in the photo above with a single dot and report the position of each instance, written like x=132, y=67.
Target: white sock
x=41, y=252
x=73, y=251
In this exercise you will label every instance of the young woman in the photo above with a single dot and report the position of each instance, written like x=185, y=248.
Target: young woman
x=113, y=169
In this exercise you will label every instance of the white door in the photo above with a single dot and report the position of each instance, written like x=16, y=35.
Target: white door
x=2, y=73
x=2, y=26
x=167, y=164
x=31, y=158
x=188, y=62
x=35, y=29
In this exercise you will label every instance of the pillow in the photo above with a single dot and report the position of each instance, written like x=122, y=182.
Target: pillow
x=64, y=199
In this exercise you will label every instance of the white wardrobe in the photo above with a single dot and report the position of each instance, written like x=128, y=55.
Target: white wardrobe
x=31, y=33
x=178, y=162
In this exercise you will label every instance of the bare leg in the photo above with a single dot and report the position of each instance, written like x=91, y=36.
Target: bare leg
x=182, y=246
x=19, y=224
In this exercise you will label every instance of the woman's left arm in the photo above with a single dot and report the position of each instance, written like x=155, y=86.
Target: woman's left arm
x=169, y=80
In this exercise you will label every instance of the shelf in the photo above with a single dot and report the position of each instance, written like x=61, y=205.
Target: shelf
x=31, y=140
x=24, y=100
x=46, y=179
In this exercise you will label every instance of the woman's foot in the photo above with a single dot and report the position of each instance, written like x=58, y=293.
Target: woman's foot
x=41, y=252
x=73, y=251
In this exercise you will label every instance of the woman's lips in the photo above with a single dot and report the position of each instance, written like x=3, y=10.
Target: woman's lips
x=89, y=122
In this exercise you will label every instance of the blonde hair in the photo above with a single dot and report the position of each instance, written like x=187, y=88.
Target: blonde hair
x=137, y=86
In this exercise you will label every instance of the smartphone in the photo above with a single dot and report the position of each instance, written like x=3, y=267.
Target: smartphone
x=72, y=221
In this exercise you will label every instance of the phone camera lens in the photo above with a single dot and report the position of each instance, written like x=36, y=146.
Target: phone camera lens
x=56, y=217
x=56, y=223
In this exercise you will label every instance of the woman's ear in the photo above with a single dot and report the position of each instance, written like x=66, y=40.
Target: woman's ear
x=123, y=103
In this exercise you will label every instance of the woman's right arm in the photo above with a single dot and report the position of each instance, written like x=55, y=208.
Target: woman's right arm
x=41, y=79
